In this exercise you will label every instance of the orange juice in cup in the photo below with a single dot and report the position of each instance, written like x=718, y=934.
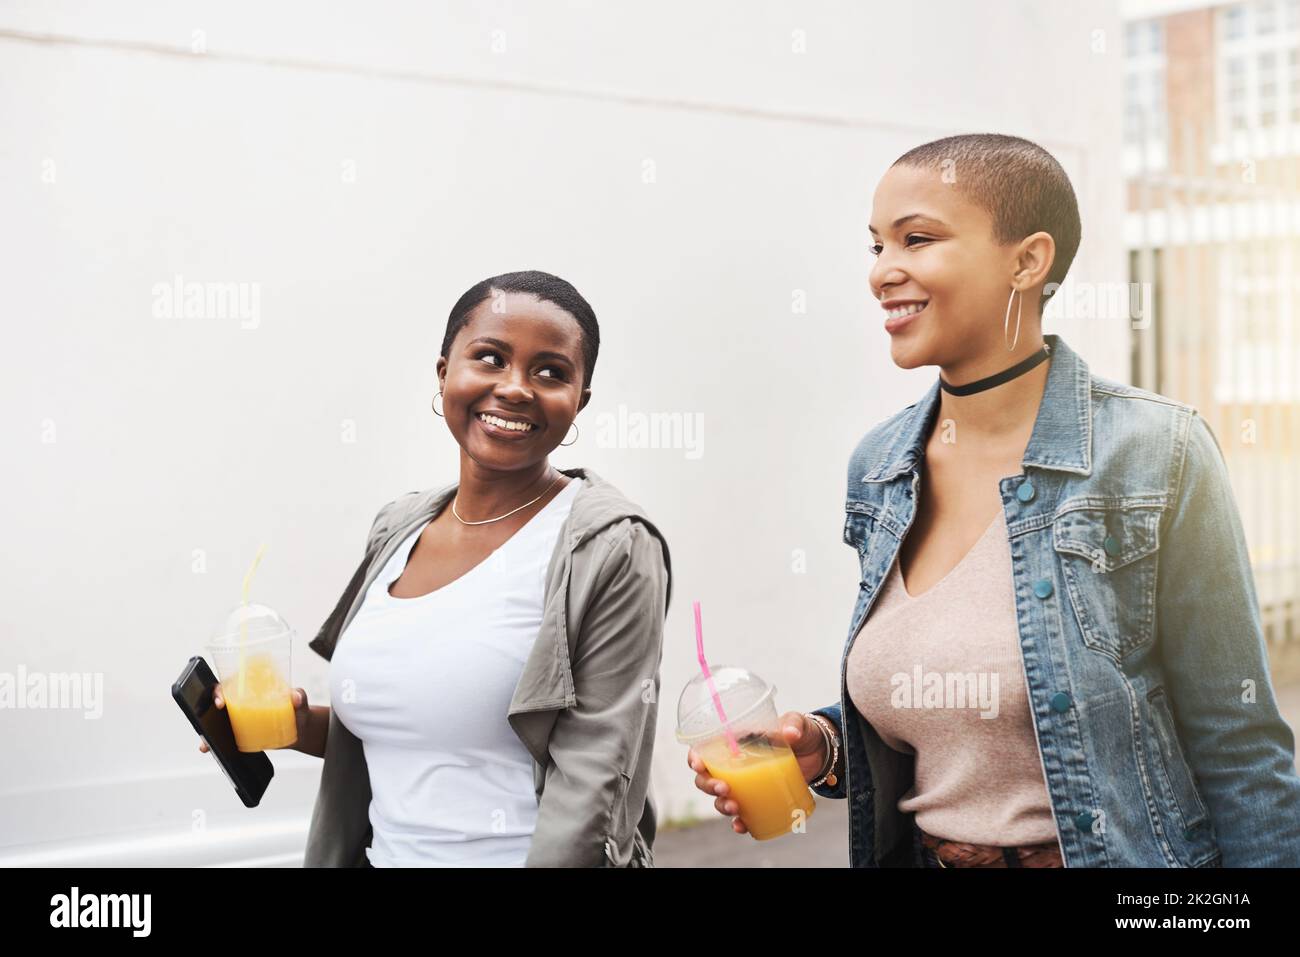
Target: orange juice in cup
x=251, y=654
x=747, y=751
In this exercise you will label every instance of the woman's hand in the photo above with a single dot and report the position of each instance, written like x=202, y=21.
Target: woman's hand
x=301, y=713
x=800, y=733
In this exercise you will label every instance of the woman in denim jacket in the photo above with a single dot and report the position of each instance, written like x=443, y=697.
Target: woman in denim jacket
x=1073, y=535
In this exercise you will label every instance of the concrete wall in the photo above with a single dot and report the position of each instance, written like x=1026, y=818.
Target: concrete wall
x=695, y=169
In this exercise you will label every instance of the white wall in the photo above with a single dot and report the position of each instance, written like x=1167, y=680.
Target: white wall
x=132, y=441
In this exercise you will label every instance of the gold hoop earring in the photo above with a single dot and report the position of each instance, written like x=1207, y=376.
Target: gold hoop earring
x=1007, y=321
x=435, y=404
x=573, y=425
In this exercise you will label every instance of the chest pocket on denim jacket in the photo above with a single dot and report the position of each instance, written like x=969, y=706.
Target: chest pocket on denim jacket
x=1108, y=560
x=859, y=526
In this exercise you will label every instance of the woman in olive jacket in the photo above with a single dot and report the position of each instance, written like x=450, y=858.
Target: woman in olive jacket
x=563, y=778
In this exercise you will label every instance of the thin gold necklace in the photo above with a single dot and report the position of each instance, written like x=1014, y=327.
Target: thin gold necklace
x=487, y=521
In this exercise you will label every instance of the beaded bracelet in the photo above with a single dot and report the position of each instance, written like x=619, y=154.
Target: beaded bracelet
x=832, y=745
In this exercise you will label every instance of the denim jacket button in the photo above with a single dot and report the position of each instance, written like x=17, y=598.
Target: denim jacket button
x=1111, y=545
x=1026, y=491
x=1060, y=702
x=1043, y=587
x=1083, y=821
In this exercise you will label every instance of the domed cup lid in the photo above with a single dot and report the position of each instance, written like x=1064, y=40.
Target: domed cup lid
x=251, y=625
x=746, y=700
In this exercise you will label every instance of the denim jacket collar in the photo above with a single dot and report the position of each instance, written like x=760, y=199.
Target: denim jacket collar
x=1062, y=435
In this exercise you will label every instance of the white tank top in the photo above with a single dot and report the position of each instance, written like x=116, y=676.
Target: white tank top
x=426, y=682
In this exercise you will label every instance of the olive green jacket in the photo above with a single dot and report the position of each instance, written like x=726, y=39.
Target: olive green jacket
x=585, y=705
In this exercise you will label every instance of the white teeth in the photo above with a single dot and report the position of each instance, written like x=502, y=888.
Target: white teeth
x=905, y=310
x=503, y=424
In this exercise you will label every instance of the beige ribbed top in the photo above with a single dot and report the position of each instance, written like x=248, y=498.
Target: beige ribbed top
x=941, y=676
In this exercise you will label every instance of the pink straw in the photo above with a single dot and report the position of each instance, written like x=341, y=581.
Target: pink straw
x=708, y=676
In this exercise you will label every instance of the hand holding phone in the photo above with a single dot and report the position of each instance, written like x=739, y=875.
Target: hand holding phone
x=195, y=692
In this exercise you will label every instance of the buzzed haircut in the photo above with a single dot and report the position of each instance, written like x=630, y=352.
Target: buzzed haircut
x=1018, y=183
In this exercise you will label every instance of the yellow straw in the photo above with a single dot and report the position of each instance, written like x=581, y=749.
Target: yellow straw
x=243, y=619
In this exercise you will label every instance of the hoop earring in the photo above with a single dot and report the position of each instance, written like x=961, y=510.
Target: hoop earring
x=1007, y=321
x=574, y=425
x=435, y=404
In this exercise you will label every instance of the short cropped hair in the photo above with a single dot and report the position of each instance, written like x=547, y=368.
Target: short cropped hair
x=1018, y=183
x=544, y=286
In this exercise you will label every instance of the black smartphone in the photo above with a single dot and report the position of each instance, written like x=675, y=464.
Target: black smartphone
x=249, y=772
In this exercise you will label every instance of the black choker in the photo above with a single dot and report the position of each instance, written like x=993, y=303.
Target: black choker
x=979, y=385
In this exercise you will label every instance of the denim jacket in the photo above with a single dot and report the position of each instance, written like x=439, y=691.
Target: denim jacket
x=585, y=705
x=1145, y=664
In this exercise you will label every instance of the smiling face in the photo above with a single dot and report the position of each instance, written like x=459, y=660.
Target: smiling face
x=512, y=380
x=946, y=264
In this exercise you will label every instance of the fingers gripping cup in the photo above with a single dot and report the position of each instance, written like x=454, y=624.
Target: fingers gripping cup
x=251, y=653
x=747, y=749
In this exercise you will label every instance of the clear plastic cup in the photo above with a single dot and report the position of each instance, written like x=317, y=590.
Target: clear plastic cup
x=764, y=778
x=255, y=639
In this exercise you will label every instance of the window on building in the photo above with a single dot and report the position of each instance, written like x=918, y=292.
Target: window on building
x=1144, y=81
x=1235, y=92
x=1234, y=21
x=1265, y=16
x=1144, y=37
x=1293, y=58
x=1267, y=67
x=1259, y=72
x=1155, y=36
